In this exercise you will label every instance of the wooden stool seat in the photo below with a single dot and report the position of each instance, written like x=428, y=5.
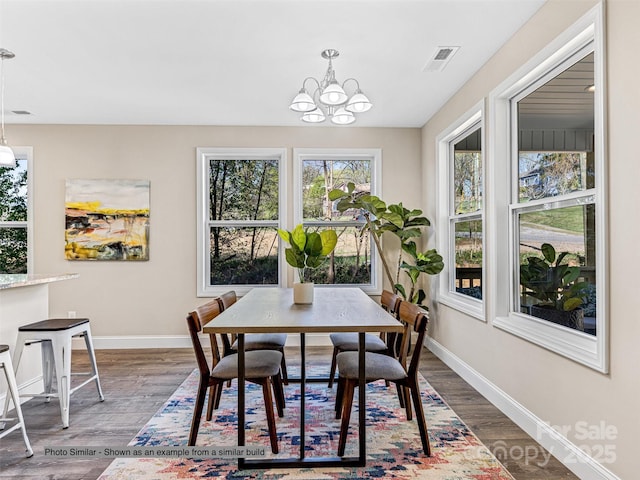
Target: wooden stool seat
x=12, y=393
x=53, y=324
x=54, y=336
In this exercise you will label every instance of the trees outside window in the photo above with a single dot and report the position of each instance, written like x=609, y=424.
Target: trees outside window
x=239, y=203
x=14, y=217
x=461, y=214
x=318, y=172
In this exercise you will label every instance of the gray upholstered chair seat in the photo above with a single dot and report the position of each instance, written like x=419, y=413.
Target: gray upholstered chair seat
x=377, y=366
x=262, y=341
x=258, y=364
x=349, y=342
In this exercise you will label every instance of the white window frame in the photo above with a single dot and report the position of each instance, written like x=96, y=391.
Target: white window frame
x=203, y=156
x=25, y=153
x=586, y=349
x=374, y=155
x=446, y=292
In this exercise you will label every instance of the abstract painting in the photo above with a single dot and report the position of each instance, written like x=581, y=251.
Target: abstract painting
x=107, y=219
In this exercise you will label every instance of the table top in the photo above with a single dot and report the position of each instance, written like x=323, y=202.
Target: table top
x=271, y=310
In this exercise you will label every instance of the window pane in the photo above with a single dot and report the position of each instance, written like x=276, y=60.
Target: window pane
x=547, y=282
x=467, y=176
x=468, y=248
x=552, y=173
x=321, y=176
x=555, y=135
x=244, y=256
x=243, y=189
x=350, y=262
x=13, y=193
x=13, y=250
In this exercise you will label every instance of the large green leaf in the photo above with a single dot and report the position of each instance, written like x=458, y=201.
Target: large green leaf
x=313, y=246
x=549, y=252
x=299, y=237
x=572, y=304
x=294, y=259
x=329, y=241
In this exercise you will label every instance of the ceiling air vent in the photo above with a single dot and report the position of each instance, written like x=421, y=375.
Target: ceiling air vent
x=440, y=59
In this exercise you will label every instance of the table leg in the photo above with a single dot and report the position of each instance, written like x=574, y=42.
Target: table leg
x=362, y=454
x=303, y=378
x=241, y=395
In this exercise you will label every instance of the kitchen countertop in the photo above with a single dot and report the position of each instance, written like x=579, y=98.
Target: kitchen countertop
x=24, y=280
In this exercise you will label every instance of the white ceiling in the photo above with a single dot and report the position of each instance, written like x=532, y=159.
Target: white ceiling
x=239, y=62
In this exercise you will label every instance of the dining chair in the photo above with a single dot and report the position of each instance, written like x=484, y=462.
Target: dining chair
x=253, y=341
x=348, y=341
x=384, y=367
x=261, y=367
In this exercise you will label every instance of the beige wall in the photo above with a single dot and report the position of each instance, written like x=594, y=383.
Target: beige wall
x=152, y=298
x=556, y=389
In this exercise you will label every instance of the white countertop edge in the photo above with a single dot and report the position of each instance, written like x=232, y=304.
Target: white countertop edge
x=24, y=280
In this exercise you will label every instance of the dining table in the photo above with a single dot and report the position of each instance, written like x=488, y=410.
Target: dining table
x=272, y=310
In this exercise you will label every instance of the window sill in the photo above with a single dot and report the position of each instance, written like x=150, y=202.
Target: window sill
x=575, y=345
x=465, y=304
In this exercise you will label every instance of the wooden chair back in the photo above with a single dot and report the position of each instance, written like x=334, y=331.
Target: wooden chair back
x=226, y=300
x=414, y=319
x=390, y=302
x=195, y=320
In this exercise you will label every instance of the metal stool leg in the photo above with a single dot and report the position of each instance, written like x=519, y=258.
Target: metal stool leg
x=17, y=354
x=48, y=363
x=92, y=357
x=62, y=354
x=13, y=392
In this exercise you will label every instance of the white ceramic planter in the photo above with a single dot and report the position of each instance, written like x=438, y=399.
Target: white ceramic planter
x=303, y=293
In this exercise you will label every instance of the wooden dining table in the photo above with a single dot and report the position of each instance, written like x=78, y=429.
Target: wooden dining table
x=334, y=309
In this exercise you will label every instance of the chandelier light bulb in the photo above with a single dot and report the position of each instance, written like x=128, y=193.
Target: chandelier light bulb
x=333, y=94
x=343, y=117
x=314, y=116
x=358, y=103
x=302, y=102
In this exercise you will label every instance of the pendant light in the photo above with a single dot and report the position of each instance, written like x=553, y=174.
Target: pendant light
x=7, y=158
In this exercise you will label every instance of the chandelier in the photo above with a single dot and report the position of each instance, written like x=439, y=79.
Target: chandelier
x=329, y=98
x=7, y=158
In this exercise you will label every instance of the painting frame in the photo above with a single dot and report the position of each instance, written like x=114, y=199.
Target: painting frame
x=107, y=219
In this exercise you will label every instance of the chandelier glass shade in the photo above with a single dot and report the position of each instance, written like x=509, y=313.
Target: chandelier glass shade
x=329, y=98
x=7, y=157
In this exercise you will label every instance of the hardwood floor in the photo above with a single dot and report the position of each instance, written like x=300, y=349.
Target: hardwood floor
x=137, y=382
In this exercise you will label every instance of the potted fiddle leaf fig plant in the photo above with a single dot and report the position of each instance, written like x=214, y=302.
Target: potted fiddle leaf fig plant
x=554, y=284
x=307, y=250
x=403, y=223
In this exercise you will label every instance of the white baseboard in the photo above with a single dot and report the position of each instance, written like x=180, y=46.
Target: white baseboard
x=178, y=341
x=558, y=445
x=33, y=385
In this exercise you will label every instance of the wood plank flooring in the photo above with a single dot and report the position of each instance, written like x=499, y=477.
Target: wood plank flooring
x=137, y=382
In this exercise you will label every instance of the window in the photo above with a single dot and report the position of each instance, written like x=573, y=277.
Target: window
x=460, y=214
x=553, y=203
x=15, y=214
x=239, y=209
x=316, y=173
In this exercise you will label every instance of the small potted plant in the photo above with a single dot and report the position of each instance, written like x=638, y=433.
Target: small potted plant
x=306, y=250
x=555, y=285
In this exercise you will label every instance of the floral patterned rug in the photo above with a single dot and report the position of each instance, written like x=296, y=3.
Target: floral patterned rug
x=394, y=449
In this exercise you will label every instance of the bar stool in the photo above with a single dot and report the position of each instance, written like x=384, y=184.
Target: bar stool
x=55, y=336
x=5, y=364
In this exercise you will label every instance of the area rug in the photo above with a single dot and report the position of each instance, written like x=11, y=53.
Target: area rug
x=394, y=449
